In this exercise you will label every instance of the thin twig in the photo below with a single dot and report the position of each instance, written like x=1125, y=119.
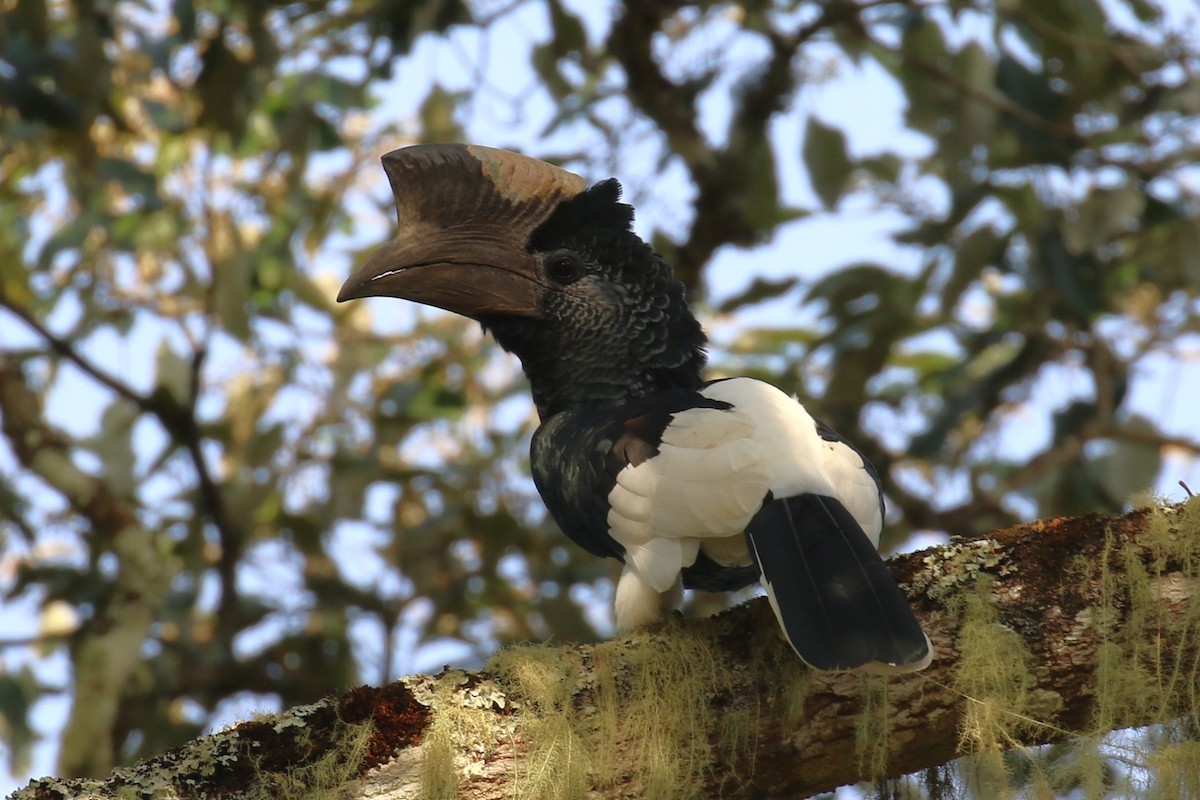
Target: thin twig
x=64, y=349
x=177, y=419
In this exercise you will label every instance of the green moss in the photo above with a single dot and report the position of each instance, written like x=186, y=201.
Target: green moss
x=784, y=673
x=328, y=777
x=547, y=680
x=1143, y=673
x=1142, y=669
x=995, y=678
x=464, y=732
x=642, y=714
x=637, y=708
x=439, y=775
x=667, y=685
x=1175, y=770
x=872, y=734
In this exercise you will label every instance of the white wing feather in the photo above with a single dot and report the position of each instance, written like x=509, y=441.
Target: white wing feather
x=713, y=471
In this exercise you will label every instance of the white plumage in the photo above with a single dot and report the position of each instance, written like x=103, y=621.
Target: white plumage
x=710, y=477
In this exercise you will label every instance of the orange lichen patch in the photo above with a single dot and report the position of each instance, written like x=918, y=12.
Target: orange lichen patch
x=280, y=744
x=290, y=743
x=399, y=720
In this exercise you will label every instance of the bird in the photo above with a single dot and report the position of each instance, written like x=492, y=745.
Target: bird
x=688, y=482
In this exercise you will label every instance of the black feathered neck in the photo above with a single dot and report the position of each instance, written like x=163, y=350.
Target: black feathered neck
x=620, y=332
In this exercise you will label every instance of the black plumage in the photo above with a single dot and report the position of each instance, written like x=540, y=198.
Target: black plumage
x=613, y=324
x=709, y=485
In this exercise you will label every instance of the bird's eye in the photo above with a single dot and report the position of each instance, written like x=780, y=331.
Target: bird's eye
x=564, y=267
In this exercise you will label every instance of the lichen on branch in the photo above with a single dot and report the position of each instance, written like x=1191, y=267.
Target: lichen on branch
x=1057, y=631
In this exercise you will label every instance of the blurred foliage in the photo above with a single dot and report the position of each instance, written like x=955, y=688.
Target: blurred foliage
x=331, y=495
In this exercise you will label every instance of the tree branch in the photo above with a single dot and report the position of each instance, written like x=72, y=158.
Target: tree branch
x=722, y=707
x=992, y=100
x=725, y=210
x=64, y=349
x=108, y=646
x=179, y=420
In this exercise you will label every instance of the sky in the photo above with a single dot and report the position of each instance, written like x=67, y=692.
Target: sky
x=513, y=117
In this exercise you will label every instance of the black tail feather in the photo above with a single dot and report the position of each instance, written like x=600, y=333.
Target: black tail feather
x=836, y=601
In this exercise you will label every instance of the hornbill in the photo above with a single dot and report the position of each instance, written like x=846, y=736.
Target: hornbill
x=708, y=485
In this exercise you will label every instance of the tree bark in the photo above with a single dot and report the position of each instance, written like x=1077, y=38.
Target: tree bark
x=1027, y=624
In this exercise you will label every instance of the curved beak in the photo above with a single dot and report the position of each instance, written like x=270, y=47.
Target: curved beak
x=465, y=215
x=468, y=275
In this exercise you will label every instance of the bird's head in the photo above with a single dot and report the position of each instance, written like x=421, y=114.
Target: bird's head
x=548, y=265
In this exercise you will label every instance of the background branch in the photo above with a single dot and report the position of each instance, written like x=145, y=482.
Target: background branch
x=178, y=418
x=109, y=645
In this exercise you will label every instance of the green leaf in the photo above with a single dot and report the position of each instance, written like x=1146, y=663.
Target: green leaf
x=973, y=384
x=132, y=179
x=174, y=374
x=1168, y=253
x=1032, y=91
x=992, y=359
x=1144, y=10
x=169, y=119
x=759, y=290
x=852, y=282
x=224, y=87
x=1085, y=18
x=438, y=116
x=313, y=294
x=404, y=20
x=68, y=237
x=569, y=35
x=231, y=295
x=1104, y=215
x=825, y=156
x=19, y=690
x=185, y=15
x=981, y=248
x=924, y=362
x=1128, y=467
x=544, y=60
x=975, y=120
x=770, y=341
x=885, y=167
x=1076, y=277
x=113, y=444
x=432, y=402
x=159, y=230
x=929, y=100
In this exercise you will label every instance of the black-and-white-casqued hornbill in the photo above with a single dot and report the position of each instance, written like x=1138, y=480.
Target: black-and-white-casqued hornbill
x=710, y=485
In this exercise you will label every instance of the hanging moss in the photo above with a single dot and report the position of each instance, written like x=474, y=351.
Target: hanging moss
x=646, y=710
x=324, y=778
x=1142, y=673
x=872, y=735
x=644, y=714
x=786, y=677
x=995, y=679
x=639, y=706
x=464, y=732
x=547, y=680
x=1175, y=770
x=439, y=776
